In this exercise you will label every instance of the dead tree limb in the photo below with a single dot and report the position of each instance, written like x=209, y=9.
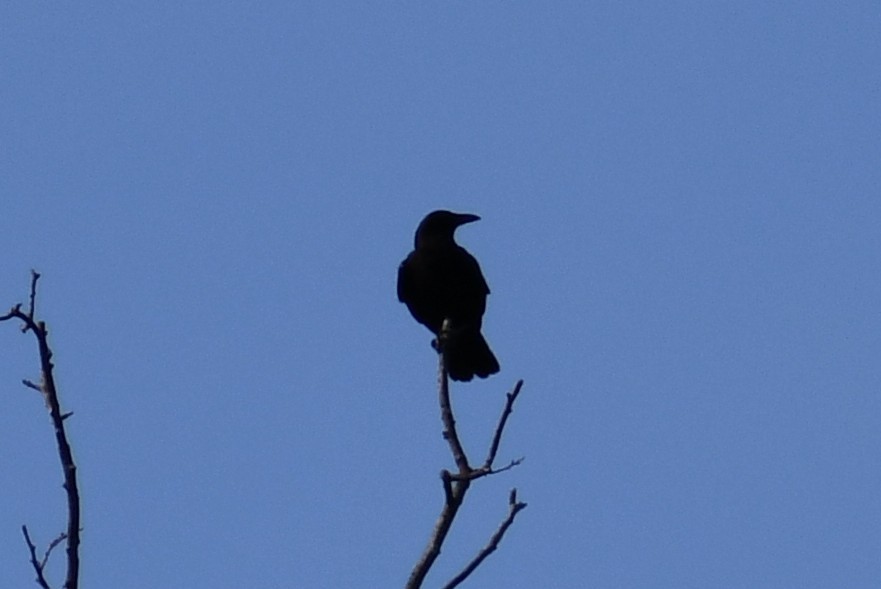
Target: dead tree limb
x=456, y=484
x=50, y=394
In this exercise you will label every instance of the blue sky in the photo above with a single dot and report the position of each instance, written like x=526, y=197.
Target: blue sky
x=680, y=229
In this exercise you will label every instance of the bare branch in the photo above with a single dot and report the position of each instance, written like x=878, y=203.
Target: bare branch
x=61, y=538
x=14, y=313
x=497, y=437
x=514, y=507
x=35, y=276
x=454, y=491
x=447, y=480
x=483, y=471
x=450, y=433
x=38, y=566
x=456, y=485
x=50, y=394
x=441, y=529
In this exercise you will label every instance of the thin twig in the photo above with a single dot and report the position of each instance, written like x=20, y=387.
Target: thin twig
x=483, y=471
x=35, y=276
x=14, y=313
x=61, y=538
x=514, y=507
x=38, y=568
x=31, y=385
x=497, y=437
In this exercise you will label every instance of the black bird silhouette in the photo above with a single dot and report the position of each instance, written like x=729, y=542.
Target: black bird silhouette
x=440, y=280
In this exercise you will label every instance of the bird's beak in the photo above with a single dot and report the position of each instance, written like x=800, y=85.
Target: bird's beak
x=462, y=218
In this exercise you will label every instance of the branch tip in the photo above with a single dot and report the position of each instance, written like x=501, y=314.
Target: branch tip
x=513, y=509
x=37, y=566
x=30, y=384
x=503, y=419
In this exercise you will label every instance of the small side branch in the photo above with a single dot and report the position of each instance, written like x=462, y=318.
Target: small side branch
x=61, y=538
x=497, y=437
x=514, y=507
x=38, y=565
x=50, y=394
x=487, y=467
x=483, y=471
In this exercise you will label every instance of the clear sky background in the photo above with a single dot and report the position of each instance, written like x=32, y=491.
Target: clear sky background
x=681, y=218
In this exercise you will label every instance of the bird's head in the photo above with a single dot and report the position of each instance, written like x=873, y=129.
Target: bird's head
x=438, y=227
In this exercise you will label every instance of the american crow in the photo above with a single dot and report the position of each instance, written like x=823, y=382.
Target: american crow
x=440, y=280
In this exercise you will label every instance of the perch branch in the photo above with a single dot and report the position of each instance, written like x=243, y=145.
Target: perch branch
x=446, y=407
x=456, y=484
x=454, y=491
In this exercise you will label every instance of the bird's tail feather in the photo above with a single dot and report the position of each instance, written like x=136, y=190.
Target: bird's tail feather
x=467, y=354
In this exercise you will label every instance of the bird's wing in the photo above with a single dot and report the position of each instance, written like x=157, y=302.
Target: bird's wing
x=475, y=273
x=405, y=283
